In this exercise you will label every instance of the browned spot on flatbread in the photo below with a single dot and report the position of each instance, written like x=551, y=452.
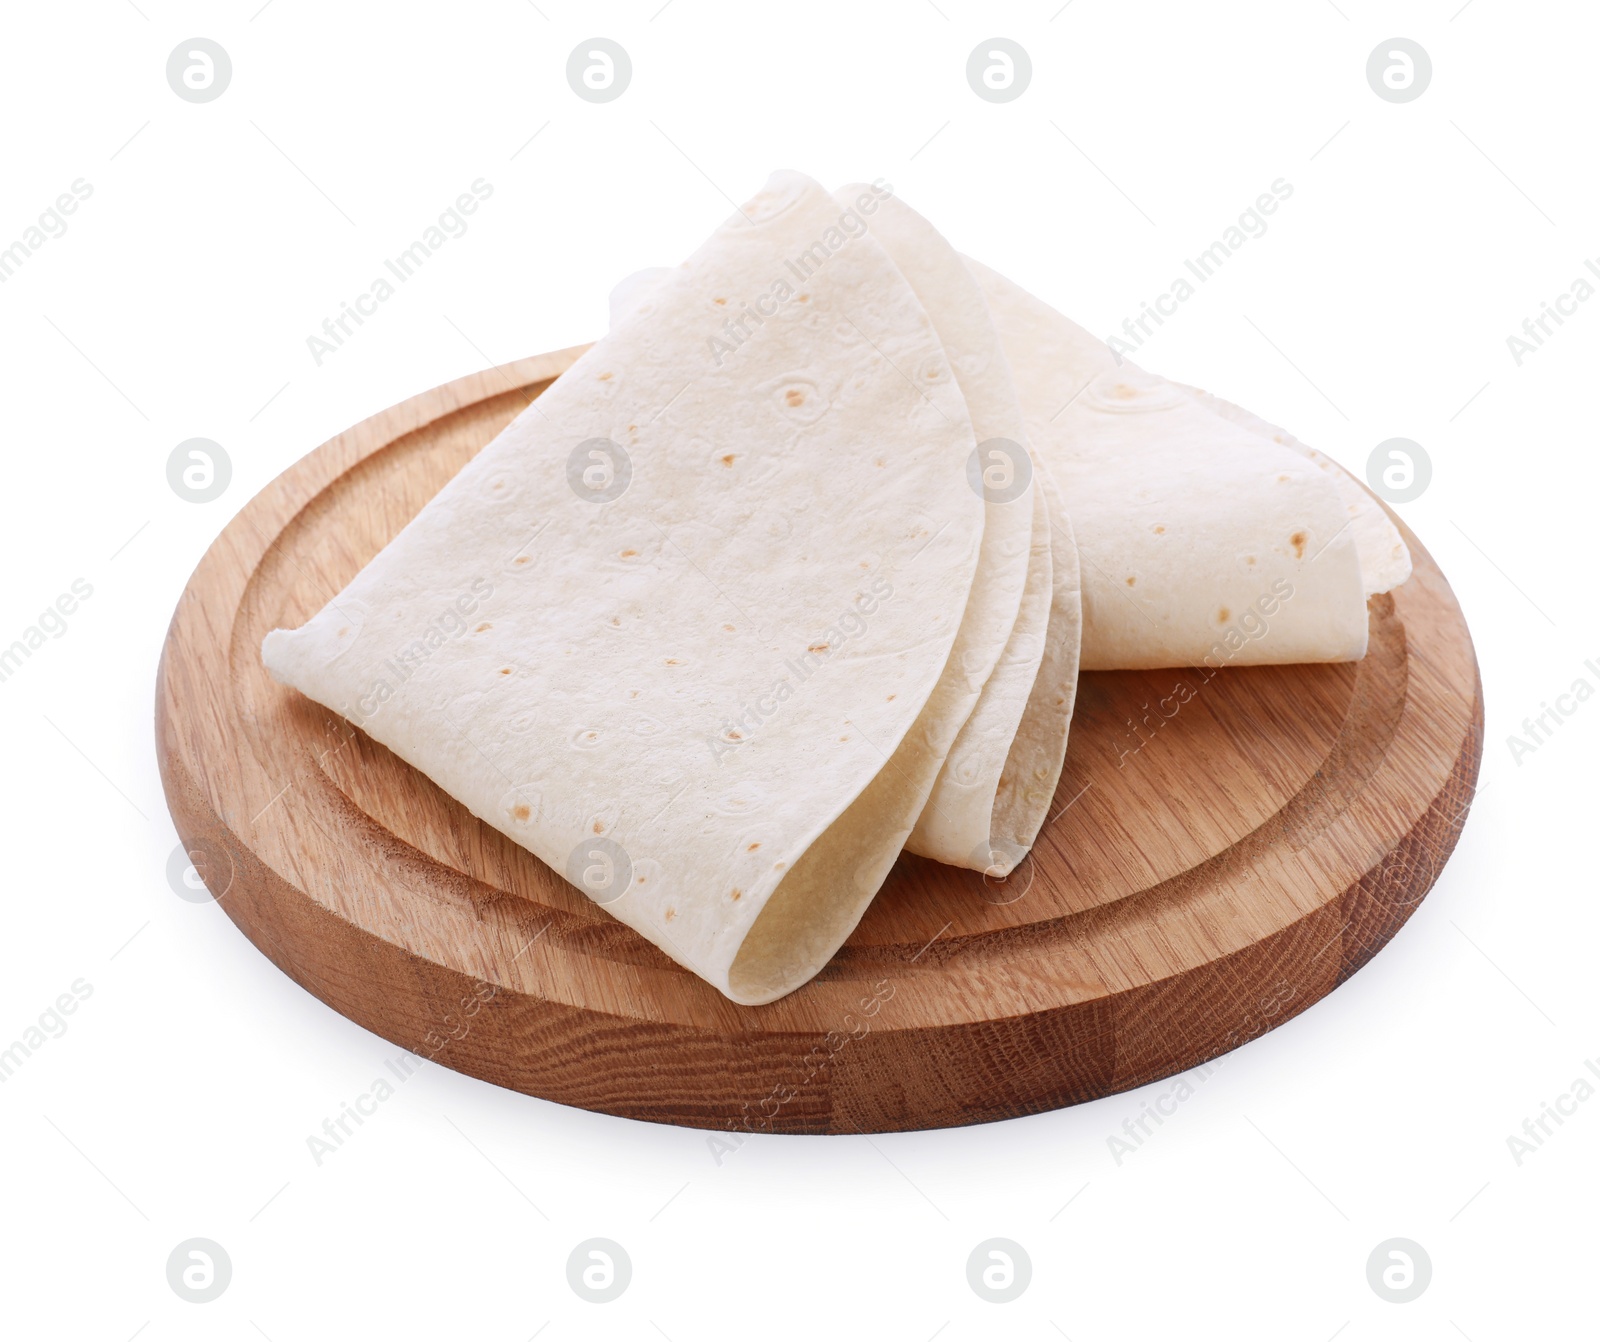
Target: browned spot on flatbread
x=1298, y=540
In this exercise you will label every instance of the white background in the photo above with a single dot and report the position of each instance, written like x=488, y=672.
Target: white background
x=218, y=237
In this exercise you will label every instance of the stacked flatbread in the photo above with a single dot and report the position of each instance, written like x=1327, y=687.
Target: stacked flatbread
x=783, y=577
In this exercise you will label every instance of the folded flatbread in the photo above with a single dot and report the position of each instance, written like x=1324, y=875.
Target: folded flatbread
x=1205, y=534
x=717, y=570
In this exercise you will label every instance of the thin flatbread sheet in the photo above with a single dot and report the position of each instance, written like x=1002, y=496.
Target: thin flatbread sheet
x=1202, y=540
x=674, y=630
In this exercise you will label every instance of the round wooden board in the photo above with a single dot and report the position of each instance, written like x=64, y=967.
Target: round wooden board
x=1225, y=848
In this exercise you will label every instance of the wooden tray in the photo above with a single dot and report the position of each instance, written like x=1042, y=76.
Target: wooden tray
x=1218, y=858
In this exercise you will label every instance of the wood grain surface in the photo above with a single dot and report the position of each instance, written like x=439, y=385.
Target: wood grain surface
x=1225, y=848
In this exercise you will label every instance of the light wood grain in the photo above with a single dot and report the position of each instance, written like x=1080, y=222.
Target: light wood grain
x=1207, y=873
